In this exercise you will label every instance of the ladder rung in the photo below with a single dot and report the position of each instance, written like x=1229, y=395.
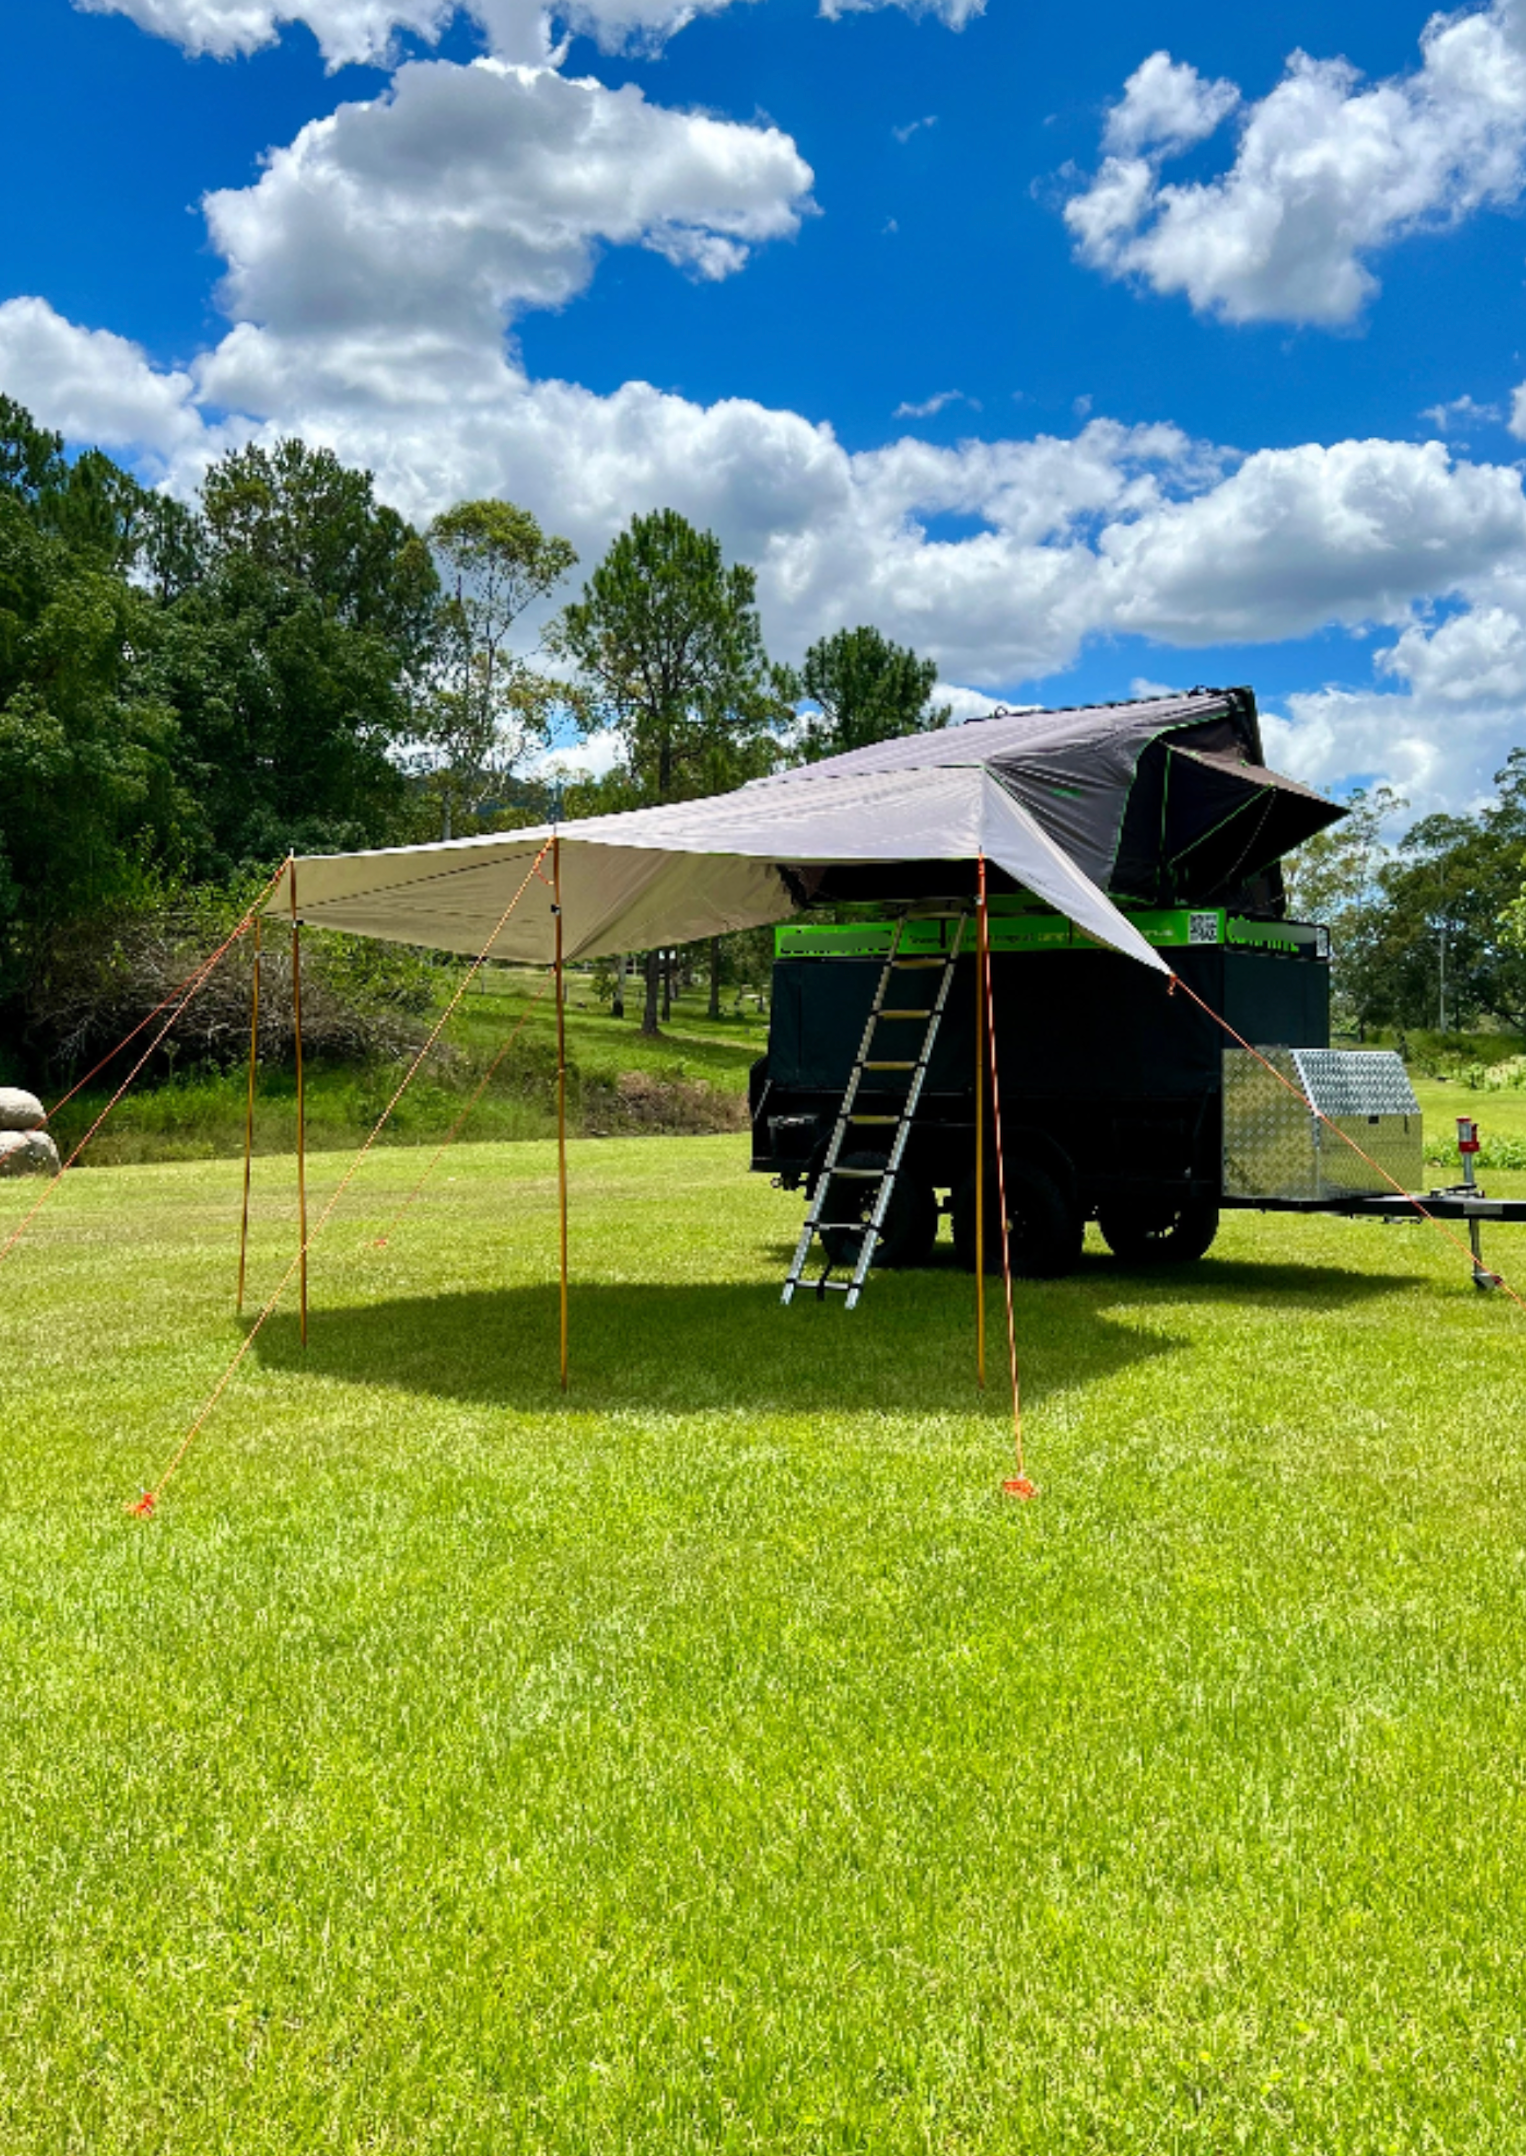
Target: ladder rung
x=869, y=1232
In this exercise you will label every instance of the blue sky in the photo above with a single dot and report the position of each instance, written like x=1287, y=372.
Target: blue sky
x=1078, y=353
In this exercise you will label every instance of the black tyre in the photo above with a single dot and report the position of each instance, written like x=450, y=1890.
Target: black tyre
x=1163, y=1234
x=1045, y=1230
x=911, y=1219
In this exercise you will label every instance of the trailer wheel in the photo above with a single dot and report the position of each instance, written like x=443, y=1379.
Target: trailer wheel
x=1165, y=1235
x=1045, y=1229
x=911, y=1219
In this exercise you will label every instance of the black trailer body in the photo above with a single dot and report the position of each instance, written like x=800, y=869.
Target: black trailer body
x=1111, y=1088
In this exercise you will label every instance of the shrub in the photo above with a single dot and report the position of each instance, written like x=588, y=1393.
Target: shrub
x=361, y=1001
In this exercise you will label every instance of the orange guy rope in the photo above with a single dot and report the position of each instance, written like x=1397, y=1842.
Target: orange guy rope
x=144, y=1507
x=254, y=1049
x=454, y=1132
x=1376, y=1166
x=1018, y=1485
x=128, y=1038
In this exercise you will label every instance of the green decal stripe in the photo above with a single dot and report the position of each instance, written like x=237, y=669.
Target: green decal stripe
x=1170, y=927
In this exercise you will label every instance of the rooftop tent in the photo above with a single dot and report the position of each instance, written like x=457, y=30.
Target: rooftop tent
x=701, y=868
x=1166, y=800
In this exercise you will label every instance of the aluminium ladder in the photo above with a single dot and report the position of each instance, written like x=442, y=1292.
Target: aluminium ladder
x=870, y=1230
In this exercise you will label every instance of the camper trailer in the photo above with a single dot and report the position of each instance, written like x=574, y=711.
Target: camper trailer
x=1121, y=1098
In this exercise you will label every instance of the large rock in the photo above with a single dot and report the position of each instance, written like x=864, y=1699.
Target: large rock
x=20, y=1111
x=27, y=1152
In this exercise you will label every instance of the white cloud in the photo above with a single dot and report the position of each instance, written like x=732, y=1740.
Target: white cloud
x=375, y=270
x=1461, y=411
x=1445, y=711
x=954, y=14
x=94, y=387
x=465, y=194
x=966, y=704
x=931, y=406
x=1328, y=172
x=1517, y=421
x=1297, y=539
x=904, y=134
x=346, y=30
x=1166, y=105
x=1116, y=530
x=349, y=31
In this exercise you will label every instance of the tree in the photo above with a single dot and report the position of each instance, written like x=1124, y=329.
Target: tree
x=305, y=522
x=669, y=654
x=90, y=804
x=866, y=689
x=293, y=644
x=1447, y=896
x=1428, y=921
x=1336, y=878
x=487, y=706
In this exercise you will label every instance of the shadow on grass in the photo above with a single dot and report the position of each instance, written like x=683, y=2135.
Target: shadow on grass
x=1101, y=1278
x=1240, y=1280
x=690, y=1349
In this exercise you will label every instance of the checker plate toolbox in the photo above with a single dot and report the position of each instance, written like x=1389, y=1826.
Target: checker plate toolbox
x=1281, y=1125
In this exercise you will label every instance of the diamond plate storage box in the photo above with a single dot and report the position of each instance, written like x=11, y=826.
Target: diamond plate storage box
x=1276, y=1147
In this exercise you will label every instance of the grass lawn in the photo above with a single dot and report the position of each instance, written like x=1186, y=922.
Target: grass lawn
x=1501, y=1118
x=716, y=1761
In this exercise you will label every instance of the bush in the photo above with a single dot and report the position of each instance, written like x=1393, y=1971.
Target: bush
x=361, y=1001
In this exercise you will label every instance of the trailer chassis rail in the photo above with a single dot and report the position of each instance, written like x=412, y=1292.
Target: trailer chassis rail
x=1456, y=1204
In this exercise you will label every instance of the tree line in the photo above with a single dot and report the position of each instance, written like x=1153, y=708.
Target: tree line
x=1428, y=930
x=188, y=691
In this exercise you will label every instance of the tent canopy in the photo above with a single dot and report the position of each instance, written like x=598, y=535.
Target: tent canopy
x=1045, y=797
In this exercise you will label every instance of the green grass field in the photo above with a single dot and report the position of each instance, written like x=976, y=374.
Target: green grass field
x=716, y=1761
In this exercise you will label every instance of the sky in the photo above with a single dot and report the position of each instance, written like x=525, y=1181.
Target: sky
x=1087, y=352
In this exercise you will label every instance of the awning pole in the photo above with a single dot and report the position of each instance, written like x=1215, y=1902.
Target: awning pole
x=296, y=1012
x=982, y=947
x=254, y=1046
x=561, y=1083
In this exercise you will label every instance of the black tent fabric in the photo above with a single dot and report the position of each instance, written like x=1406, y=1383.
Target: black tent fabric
x=1166, y=800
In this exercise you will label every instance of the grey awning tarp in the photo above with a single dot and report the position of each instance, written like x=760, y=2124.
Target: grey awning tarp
x=701, y=868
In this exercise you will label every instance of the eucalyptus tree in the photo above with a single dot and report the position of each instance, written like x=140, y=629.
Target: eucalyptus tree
x=669, y=656
x=487, y=705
